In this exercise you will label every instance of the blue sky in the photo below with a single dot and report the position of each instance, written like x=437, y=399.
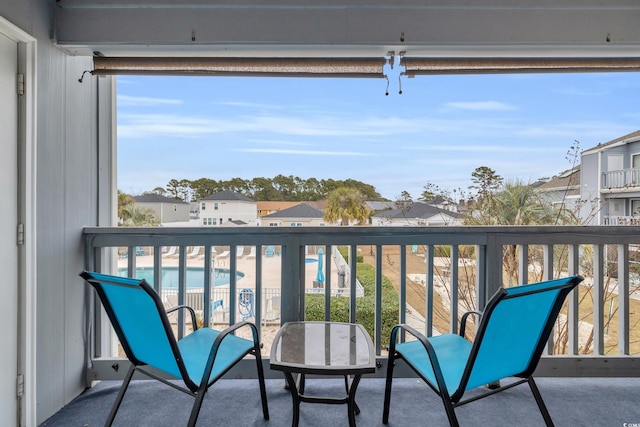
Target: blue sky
x=439, y=130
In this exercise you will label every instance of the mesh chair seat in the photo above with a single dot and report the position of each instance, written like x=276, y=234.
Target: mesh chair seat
x=511, y=335
x=140, y=321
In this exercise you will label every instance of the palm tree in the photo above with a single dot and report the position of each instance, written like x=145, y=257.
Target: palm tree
x=125, y=201
x=133, y=216
x=345, y=204
x=515, y=203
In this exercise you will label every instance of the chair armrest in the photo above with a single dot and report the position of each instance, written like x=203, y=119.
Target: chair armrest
x=189, y=309
x=433, y=357
x=463, y=320
x=221, y=336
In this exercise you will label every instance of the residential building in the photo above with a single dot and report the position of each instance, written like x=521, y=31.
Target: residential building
x=227, y=206
x=416, y=214
x=610, y=182
x=300, y=215
x=167, y=210
x=562, y=190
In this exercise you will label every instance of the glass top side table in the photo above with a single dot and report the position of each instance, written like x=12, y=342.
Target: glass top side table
x=323, y=348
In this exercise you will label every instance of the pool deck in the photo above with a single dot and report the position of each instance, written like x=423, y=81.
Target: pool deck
x=271, y=279
x=271, y=268
x=271, y=275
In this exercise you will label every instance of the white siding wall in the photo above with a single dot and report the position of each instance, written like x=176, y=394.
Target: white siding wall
x=243, y=211
x=66, y=150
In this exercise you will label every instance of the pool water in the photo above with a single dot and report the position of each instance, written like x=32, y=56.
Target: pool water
x=195, y=276
x=310, y=260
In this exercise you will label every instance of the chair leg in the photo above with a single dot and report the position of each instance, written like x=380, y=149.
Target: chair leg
x=387, y=388
x=451, y=413
x=263, y=390
x=123, y=389
x=540, y=402
x=195, y=410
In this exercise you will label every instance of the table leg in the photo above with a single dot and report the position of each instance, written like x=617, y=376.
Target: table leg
x=351, y=403
x=295, y=397
x=346, y=385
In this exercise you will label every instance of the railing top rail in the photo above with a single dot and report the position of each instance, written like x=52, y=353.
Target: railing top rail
x=458, y=235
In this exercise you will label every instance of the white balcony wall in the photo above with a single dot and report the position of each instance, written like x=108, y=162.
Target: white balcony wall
x=65, y=200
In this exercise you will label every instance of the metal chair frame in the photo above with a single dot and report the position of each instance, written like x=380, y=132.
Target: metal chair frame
x=225, y=342
x=466, y=354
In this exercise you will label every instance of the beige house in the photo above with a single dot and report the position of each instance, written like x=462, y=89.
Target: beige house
x=267, y=207
x=167, y=209
x=227, y=206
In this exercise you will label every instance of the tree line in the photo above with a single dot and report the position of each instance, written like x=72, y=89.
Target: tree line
x=279, y=188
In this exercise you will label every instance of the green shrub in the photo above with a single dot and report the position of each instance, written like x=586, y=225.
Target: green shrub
x=365, y=305
x=344, y=251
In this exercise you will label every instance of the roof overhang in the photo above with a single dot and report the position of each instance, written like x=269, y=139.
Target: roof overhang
x=333, y=28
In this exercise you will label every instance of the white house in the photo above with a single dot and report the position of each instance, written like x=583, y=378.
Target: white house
x=227, y=206
x=301, y=215
x=417, y=214
x=563, y=190
x=610, y=182
x=167, y=209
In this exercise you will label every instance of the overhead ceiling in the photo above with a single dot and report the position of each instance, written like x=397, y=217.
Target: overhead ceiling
x=314, y=28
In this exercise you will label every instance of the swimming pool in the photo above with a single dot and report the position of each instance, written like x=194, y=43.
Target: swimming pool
x=195, y=276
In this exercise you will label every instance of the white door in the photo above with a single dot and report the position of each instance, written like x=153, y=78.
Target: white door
x=8, y=224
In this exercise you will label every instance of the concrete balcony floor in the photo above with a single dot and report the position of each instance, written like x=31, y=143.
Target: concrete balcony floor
x=571, y=402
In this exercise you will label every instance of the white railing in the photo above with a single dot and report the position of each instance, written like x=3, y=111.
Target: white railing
x=621, y=220
x=623, y=178
x=438, y=273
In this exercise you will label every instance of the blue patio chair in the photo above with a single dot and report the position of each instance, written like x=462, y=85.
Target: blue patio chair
x=511, y=335
x=270, y=251
x=245, y=303
x=199, y=359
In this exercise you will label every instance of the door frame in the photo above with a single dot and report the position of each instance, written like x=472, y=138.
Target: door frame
x=27, y=303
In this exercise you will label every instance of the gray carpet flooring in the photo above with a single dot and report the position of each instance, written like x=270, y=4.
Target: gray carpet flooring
x=572, y=402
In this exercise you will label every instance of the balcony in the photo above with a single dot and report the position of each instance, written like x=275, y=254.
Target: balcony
x=621, y=179
x=437, y=273
x=621, y=220
x=593, y=402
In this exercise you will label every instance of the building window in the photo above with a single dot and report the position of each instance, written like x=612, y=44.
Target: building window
x=175, y=208
x=635, y=207
x=215, y=206
x=213, y=221
x=273, y=224
x=203, y=206
x=296, y=224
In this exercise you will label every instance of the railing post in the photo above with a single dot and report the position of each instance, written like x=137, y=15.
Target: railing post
x=573, y=301
x=523, y=264
x=453, y=283
x=598, y=299
x=290, y=307
x=493, y=262
x=428, y=304
x=402, y=294
x=182, y=289
x=353, y=256
x=481, y=276
x=378, y=301
x=623, y=299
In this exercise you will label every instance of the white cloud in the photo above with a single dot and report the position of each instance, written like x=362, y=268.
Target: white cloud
x=139, y=101
x=481, y=105
x=307, y=152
